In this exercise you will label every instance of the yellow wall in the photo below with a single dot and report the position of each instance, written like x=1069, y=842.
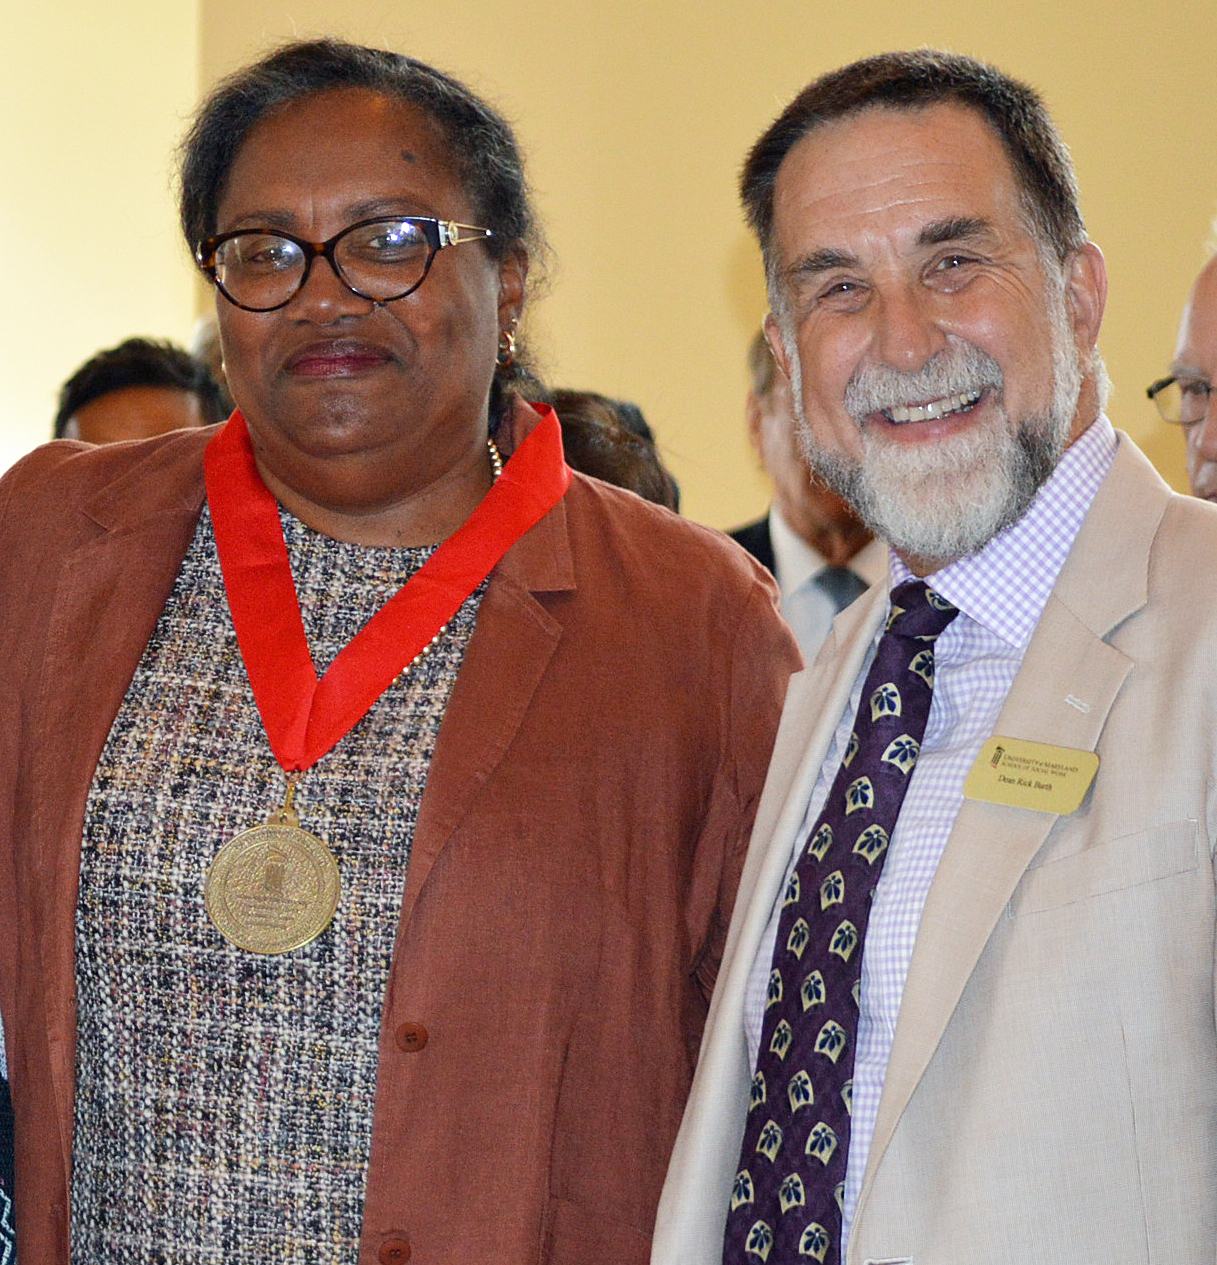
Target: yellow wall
x=93, y=98
x=636, y=116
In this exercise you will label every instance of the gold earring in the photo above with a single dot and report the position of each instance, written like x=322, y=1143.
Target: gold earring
x=507, y=349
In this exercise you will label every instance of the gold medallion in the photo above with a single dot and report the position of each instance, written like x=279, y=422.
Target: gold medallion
x=275, y=887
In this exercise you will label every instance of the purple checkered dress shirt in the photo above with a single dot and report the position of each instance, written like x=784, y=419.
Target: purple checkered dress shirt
x=1001, y=593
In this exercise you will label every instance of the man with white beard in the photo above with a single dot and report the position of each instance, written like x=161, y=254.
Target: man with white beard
x=966, y=1008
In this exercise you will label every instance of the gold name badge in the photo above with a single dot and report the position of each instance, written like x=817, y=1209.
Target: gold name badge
x=1034, y=775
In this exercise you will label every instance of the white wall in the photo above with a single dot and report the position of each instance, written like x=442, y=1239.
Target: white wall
x=93, y=98
x=635, y=115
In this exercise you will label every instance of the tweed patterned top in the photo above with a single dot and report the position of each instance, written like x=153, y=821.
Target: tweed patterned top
x=8, y=1251
x=224, y=1098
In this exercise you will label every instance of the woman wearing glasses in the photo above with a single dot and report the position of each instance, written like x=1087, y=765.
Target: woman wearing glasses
x=372, y=790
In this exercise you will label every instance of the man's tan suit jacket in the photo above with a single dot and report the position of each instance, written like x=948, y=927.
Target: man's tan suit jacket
x=1052, y=1089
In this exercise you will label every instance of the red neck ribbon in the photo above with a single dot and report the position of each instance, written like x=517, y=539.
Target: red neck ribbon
x=305, y=717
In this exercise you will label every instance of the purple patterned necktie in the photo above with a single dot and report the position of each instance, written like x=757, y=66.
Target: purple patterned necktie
x=786, y=1197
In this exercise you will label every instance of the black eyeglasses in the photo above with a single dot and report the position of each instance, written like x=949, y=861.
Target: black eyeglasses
x=261, y=269
x=1184, y=401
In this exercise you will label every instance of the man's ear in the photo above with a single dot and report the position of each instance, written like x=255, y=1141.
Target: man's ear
x=755, y=419
x=773, y=336
x=1086, y=287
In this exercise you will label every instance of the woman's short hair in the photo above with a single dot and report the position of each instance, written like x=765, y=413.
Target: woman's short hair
x=480, y=142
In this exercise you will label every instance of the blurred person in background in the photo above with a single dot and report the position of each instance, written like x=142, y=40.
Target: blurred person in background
x=1185, y=395
x=611, y=440
x=816, y=546
x=205, y=348
x=142, y=387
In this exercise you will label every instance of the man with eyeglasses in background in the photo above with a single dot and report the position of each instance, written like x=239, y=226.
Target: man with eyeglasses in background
x=1184, y=397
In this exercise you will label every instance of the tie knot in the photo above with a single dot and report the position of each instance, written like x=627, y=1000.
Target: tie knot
x=918, y=612
x=841, y=584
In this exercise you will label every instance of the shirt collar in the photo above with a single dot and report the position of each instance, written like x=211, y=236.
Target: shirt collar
x=1006, y=585
x=795, y=561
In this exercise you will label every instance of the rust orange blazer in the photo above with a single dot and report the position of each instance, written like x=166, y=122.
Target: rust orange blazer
x=574, y=862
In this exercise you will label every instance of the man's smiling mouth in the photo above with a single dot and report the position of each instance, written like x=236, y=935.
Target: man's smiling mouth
x=934, y=410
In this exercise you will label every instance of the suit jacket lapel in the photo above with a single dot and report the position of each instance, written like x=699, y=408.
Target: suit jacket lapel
x=109, y=593
x=694, y=1205
x=815, y=701
x=510, y=649
x=1062, y=694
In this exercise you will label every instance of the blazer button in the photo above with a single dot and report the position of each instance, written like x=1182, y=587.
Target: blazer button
x=411, y=1037
x=394, y=1252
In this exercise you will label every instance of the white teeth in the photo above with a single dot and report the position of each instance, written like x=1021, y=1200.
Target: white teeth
x=932, y=411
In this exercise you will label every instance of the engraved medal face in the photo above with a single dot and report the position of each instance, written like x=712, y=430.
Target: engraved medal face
x=273, y=888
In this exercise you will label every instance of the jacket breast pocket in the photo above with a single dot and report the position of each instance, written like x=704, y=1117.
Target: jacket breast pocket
x=1110, y=866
